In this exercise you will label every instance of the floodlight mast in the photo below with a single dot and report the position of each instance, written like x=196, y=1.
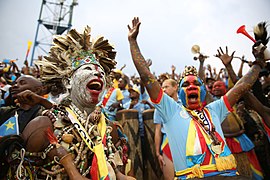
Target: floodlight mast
x=55, y=18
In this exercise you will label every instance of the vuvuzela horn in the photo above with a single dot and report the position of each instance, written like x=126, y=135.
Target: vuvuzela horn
x=242, y=30
x=195, y=49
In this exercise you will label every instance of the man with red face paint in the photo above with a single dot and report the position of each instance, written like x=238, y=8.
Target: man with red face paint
x=196, y=139
x=233, y=128
x=238, y=142
x=219, y=89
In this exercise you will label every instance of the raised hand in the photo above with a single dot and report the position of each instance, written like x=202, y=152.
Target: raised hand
x=134, y=30
x=147, y=78
x=31, y=99
x=28, y=97
x=258, y=52
x=224, y=57
x=208, y=67
x=133, y=103
x=173, y=68
x=202, y=57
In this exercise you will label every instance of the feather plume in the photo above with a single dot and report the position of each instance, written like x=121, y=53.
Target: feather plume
x=50, y=135
x=86, y=38
x=77, y=36
x=58, y=64
x=260, y=32
x=61, y=42
x=122, y=67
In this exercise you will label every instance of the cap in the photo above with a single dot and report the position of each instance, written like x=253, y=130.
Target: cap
x=117, y=71
x=134, y=89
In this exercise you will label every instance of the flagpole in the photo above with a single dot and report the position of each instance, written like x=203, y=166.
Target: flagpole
x=17, y=123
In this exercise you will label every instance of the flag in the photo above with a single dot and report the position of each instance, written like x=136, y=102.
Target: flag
x=6, y=61
x=10, y=126
x=29, y=43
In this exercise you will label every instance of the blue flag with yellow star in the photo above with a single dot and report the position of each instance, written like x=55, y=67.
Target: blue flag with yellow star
x=10, y=126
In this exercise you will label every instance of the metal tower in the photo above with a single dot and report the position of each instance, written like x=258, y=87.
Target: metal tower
x=54, y=19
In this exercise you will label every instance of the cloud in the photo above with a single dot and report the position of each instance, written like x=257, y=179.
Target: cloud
x=169, y=28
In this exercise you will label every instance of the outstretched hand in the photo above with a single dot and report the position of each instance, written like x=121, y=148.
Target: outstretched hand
x=134, y=30
x=173, y=68
x=224, y=57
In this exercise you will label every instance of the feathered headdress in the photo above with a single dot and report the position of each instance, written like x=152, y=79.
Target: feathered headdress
x=72, y=50
x=260, y=32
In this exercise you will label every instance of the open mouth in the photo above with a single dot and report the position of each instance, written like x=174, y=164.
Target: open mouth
x=95, y=85
x=193, y=97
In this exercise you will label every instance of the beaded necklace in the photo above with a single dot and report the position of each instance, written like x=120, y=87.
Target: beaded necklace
x=80, y=149
x=52, y=168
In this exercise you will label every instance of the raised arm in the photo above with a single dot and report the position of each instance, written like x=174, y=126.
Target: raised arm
x=173, y=72
x=147, y=77
x=240, y=71
x=201, y=68
x=255, y=104
x=226, y=60
x=246, y=82
x=28, y=99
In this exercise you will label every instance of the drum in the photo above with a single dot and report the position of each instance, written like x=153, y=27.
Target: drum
x=243, y=165
x=128, y=118
x=152, y=168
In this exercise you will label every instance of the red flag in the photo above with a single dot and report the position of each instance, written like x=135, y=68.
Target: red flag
x=94, y=169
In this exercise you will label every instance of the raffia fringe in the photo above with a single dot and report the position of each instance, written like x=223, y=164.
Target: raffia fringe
x=222, y=164
x=225, y=163
x=197, y=172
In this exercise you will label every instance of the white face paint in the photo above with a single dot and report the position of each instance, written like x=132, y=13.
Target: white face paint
x=87, y=85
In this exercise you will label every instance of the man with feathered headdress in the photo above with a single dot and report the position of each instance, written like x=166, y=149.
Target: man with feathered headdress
x=79, y=137
x=195, y=136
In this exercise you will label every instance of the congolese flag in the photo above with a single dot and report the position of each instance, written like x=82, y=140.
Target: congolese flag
x=29, y=43
x=10, y=126
x=99, y=161
x=243, y=144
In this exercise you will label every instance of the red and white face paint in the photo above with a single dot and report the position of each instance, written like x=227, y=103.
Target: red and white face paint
x=87, y=84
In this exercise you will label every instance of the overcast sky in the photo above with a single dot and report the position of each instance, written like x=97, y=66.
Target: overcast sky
x=168, y=31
